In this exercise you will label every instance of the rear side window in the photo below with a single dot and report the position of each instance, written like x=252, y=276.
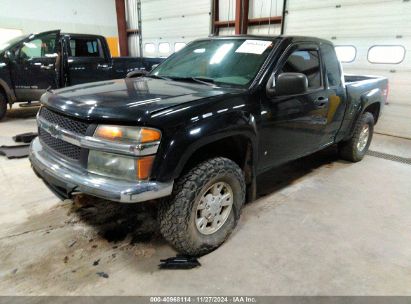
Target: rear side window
x=346, y=53
x=332, y=66
x=386, y=54
x=306, y=62
x=85, y=47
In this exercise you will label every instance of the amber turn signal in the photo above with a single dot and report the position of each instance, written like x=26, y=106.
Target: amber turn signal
x=128, y=134
x=144, y=165
x=149, y=135
x=109, y=132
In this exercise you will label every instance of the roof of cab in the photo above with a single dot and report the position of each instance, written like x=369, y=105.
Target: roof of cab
x=272, y=38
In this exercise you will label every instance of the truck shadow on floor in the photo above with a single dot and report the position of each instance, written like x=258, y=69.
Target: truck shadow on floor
x=137, y=223
x=280, y=177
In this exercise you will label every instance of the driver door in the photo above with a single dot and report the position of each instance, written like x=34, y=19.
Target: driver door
x=36, y=65
x=293, y=125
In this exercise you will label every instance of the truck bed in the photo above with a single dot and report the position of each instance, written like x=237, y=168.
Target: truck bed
x=350, y=78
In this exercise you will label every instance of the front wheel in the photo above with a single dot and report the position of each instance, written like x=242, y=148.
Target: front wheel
x=355, y=149
x=204, y=207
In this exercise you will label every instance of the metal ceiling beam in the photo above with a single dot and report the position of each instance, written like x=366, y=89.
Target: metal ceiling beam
x=122, y=27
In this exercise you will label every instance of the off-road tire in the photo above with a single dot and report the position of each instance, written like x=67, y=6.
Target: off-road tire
x=3, y=105
x=177, y=214
x=348, y=149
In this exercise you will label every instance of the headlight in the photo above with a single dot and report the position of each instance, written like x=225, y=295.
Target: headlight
x=120, y=166
x=125, y=134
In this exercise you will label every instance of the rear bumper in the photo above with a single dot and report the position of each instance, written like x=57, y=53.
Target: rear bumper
x=64, y=179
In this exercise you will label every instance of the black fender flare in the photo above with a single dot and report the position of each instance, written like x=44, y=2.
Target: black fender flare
x=178, y=149
x=368, y=98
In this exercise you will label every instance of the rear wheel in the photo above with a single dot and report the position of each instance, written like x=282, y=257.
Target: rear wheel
x=3, y=105
x=204, y=207
x=355, y=149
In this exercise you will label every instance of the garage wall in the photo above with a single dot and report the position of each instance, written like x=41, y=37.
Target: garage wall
x=363, y=24
x=77, y=16
x=177, y=22
x=257, y=9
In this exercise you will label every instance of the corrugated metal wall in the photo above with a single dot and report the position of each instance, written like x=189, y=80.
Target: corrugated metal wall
x=363, y=24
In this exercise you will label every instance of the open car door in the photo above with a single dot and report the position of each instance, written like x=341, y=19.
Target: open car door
x=36, y=64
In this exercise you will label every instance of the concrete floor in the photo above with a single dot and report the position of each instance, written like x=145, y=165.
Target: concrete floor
x=321, y=226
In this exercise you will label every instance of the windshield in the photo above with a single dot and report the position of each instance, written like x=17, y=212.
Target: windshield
x=5, y=44
x=222, y=61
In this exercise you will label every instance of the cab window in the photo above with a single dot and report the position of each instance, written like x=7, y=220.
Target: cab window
x=306, y=62
x=85, y=47
x=44, y=47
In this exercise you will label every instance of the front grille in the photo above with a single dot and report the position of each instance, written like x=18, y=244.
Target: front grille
x=64, y=122
x=70, y=124
x=60, y=146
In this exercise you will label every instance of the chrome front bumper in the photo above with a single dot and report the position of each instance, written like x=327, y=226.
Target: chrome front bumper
x=62, y=176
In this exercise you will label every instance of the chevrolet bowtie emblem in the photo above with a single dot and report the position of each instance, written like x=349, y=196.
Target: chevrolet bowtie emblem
x=53, y=130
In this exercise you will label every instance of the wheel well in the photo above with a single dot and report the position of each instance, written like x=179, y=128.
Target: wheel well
x=236, y=148
x=374, y=109
x=3, y=92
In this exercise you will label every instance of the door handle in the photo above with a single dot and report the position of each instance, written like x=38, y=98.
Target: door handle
x=46, y=67
x=103, y=66
x=321, y=102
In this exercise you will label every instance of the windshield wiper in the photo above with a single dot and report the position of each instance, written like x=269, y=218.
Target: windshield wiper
x=202, y=80
x=205, y=80
x=157, y=77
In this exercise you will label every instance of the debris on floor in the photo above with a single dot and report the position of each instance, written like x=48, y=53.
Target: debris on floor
x=25, y=137
x=179, y=262
x=102, y=274
x=18, y=151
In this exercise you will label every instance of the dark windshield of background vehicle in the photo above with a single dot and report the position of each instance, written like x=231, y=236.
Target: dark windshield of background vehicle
x=11, y=42
x=218, y=59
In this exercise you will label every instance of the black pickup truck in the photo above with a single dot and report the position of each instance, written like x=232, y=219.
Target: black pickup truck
x=31, y=64
x=199, y=129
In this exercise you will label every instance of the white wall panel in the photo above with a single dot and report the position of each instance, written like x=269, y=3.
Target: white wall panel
x=265, y=8
x=270, y=30
x=174, y=21
x=363, y=24
x=77, y=16
x=226, y=10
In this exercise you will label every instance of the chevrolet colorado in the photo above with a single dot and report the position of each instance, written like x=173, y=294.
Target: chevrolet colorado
x=30, y=64
x=198, y=129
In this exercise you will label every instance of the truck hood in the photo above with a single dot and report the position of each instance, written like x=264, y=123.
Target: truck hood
x=127, y=100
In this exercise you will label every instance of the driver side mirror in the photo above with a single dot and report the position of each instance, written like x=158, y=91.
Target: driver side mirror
x=7, y=56
x=291, y=84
